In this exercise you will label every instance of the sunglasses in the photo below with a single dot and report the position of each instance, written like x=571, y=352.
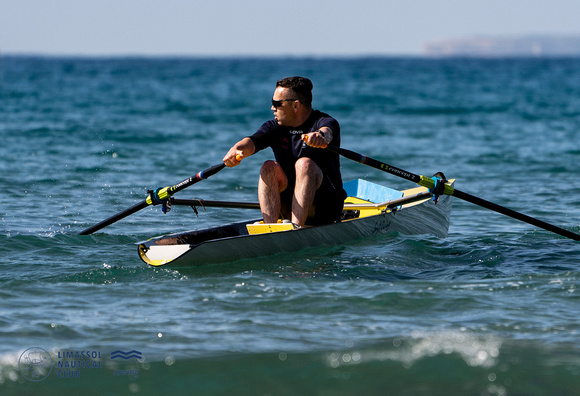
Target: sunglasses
x=278, y=103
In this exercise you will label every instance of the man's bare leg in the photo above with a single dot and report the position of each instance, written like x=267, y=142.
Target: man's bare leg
x=308, y=179
x=272, y=182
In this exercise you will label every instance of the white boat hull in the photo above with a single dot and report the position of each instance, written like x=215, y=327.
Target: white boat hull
x=232, y=242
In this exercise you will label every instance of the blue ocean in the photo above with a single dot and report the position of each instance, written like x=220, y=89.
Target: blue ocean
x=493, y=309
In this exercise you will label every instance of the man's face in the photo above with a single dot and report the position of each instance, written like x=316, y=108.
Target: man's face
x=285, y=113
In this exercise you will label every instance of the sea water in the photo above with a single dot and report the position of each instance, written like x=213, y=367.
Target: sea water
x=493, y=309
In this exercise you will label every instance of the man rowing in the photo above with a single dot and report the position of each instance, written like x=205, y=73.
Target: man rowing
x=304, y=182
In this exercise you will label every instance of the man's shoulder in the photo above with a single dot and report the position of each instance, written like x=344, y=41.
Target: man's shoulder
x=323, y=119
x=268, y=126
x=320, y=114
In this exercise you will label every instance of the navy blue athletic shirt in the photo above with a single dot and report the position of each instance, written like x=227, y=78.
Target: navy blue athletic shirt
x=288, y=146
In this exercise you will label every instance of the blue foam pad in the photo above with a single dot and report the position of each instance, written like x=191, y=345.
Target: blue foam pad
x=368, y=191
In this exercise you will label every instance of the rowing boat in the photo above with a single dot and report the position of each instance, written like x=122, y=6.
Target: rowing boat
x=363, y=216
x=370, y=209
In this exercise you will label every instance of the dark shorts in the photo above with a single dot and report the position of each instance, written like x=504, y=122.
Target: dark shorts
x=328, y=203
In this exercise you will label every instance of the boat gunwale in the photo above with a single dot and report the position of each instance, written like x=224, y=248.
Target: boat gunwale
x=388, y=208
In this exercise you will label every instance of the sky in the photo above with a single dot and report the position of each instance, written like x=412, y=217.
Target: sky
x=268, y=27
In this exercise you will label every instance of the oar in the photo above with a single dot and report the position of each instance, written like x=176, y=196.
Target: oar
x=431, y=184
x=158, y=196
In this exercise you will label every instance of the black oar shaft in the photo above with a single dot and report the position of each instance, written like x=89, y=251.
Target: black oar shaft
x=427, y=182
x=375, y=164
x=204, y=174
x=516, y=215
x=164, y=193
x=107, y=222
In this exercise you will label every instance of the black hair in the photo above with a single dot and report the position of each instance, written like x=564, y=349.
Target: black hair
x=301, y=86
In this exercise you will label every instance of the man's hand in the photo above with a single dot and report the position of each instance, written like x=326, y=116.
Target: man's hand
x=319, y=138
x=242, y=149
x=233, y=157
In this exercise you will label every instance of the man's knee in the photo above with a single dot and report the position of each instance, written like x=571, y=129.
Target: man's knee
x=307, y=167
x=269, y=168
x=273, y=174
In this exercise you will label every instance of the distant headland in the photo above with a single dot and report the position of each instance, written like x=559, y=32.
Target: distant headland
x=524, y=46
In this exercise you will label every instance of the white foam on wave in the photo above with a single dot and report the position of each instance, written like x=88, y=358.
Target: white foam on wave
x=475, y=350
x=9, y=367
